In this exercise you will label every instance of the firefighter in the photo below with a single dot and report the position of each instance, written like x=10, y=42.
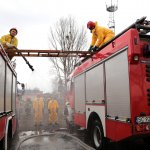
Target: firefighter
x=53, y=111
x=28, y=106
x=38, y=107
x=10, y=41
x=100, y=35
x=68, y=113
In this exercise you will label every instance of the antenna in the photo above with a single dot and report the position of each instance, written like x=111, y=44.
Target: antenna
x=111, y=7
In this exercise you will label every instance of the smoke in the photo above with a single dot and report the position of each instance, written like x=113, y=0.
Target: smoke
x=41, y=78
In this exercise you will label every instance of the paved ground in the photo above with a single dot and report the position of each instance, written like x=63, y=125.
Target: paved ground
x=128, y=145
x=53, y=141
x=26, y=126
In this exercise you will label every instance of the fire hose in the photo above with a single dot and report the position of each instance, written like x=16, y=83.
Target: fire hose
x=27, y=62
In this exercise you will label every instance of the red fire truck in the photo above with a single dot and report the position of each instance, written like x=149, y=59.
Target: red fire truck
x=110, y=90
x=7, y=100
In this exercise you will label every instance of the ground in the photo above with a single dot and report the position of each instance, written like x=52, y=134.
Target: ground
x=26, y=127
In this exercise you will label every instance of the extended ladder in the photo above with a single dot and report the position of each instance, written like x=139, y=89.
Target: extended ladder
x=49, y=53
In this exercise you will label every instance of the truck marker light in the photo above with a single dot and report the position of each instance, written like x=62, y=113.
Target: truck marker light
x=136, y=58
x=147, y=127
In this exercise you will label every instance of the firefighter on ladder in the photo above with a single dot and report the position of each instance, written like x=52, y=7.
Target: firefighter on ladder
x=38, y=107
x=53, y=111
x=100, y=35
x=10, y=41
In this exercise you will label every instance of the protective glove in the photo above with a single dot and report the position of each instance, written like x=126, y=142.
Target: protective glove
x=90, y=49
x=95, y=48
x=9, y=45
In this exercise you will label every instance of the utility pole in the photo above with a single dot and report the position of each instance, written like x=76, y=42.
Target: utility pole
x=111, y=7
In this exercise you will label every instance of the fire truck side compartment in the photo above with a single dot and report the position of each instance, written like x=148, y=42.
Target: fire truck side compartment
x=95, y=85
x=14, y=95
x=117, y=86
x=8, y=104
x=80, y=93
x=2, y=80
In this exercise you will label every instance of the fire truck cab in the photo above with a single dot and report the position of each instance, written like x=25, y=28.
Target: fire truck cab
x=7, y=100
x=111, y=92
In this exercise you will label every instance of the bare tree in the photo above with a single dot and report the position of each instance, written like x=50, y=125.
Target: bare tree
x=68, y=37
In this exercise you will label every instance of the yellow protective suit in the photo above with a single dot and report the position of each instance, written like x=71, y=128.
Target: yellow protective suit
x=8, y=38
x=38, y=107
x=53, y=109
x=11, y=40
x=101, y=35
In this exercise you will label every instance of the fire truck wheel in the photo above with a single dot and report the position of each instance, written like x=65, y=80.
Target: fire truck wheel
x=2, y=144
x=8, y=144
x=97, y=135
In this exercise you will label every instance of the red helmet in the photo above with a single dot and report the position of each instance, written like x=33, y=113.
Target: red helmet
x=91, y=25
x=13, y=29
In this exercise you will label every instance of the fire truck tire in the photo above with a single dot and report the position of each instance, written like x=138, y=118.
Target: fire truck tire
x=8, y=143
x=146, y=140
x=2, y=144
x=97, y=135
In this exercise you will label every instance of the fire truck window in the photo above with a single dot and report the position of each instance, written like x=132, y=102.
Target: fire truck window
x=72, y=85
x=68, y=85
x=2, y=79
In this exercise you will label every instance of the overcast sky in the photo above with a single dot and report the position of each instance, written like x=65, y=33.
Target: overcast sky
x=33, y=19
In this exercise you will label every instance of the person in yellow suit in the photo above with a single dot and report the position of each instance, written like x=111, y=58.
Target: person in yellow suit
x=38, y=107
x=100, y=35
x=10, y=41
x=53, y=111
